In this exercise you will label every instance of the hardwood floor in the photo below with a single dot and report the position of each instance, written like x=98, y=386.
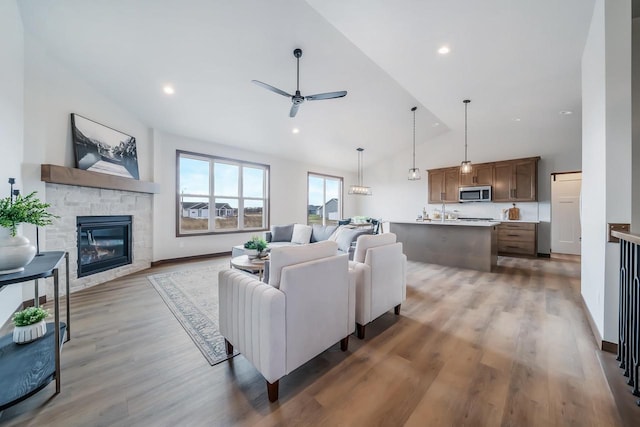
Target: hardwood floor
x=511, y=348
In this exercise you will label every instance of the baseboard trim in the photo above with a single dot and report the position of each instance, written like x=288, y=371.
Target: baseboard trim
x=609, y=347
x=592, y=324
x=190, y=258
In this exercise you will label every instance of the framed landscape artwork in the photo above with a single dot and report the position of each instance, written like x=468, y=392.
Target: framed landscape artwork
x=99, y=148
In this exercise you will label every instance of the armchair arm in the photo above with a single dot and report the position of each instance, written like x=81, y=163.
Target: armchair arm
x=252, y=318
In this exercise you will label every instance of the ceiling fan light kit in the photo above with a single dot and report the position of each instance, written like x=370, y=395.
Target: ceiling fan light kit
x=414, y=173
x=360, y=189
x=465, y=166
x=298, y=98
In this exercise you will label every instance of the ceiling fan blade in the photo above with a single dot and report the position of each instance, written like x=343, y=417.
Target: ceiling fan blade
x=328, y=95
x=272, y=89
x=294, y=110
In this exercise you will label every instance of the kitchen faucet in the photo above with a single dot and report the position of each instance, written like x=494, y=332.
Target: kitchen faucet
x=442, y=216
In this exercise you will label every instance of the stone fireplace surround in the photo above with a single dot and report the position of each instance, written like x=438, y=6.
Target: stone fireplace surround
x=70, y=201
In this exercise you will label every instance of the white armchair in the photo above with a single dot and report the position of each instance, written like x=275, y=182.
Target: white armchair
x=308, y=306
x=381, y=278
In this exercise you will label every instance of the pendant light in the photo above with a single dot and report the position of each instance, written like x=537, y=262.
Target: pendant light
x=414, y=173
x=360, y=189
x=465, y=167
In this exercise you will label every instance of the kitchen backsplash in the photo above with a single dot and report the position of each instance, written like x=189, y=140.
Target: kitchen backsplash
x=528, y=211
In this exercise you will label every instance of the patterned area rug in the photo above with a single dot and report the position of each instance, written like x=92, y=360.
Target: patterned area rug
x=192, y=296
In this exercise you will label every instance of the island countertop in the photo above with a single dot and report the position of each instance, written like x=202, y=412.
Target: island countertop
x=458, y=222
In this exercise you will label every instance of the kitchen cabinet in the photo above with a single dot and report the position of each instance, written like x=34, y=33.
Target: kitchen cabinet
x=517, y=238
x=443, y=185
x=481, y=174
x=516, y=180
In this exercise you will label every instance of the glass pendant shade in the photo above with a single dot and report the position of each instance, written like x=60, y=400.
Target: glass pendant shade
x=465, y=167
x=414, y=173
x=360, y=189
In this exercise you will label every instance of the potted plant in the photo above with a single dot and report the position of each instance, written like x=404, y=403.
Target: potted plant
x=15, y=250
x=29, y=324
x=254, y=247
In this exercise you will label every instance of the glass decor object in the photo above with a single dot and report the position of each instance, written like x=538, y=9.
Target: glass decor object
x=360, y=189
x=414, y=173
x=465, y=167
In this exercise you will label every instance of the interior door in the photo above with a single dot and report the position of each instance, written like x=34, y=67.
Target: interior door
x=565, y=213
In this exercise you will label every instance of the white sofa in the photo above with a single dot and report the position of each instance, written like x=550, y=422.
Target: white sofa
x=308, y=306
x=381, y=278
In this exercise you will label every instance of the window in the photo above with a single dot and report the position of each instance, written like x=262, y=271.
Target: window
x=324, y=203
x=219, y=195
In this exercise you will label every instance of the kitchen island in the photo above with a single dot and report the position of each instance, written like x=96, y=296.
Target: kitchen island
x=457, y=243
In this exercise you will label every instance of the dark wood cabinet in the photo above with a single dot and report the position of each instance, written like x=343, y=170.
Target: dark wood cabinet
x=517, y=238
x=443, y=185
x=511, y=181
x=516, y=180
x=481, y=174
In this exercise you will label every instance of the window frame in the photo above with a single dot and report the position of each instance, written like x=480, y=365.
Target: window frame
x=213, y=159
x=324, y=176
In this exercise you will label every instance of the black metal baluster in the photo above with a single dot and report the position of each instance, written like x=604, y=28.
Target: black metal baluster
x=635, y=320
x=619, y=357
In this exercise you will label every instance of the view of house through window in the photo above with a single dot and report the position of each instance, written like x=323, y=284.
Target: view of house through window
x=324, y=204
x=220, y=195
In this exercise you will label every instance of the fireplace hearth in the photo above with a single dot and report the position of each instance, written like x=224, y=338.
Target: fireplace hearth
x=104, y=242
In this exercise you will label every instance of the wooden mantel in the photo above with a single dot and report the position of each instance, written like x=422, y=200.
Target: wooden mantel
x=82, y=178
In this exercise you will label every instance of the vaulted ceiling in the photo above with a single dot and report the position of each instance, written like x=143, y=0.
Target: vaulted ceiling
x=519, y=61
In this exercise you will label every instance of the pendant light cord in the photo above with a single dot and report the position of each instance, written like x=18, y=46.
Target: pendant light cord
x=466, y=102
x=414, y=136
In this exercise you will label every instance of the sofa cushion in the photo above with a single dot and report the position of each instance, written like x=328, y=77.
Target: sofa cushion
x=289, y=255
x=321, y=232
x=281, y=233
x=366, y=242
x=301, y=234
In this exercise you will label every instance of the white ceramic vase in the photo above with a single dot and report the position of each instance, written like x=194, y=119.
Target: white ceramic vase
x=15, y=252
x=251, y=253
x=26, y=334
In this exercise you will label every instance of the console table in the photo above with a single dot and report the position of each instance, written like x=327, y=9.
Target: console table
x=26, y=369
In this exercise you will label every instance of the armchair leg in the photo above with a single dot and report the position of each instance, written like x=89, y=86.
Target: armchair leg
x=396, y=309
x=272, y=390
x=344, y=343
x=360, y=331
x=229, y=347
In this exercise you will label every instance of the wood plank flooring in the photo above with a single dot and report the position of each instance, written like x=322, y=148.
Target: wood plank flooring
x=510, y=348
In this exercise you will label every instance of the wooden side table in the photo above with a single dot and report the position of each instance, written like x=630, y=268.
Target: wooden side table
x=243, y=262
x=20, y=384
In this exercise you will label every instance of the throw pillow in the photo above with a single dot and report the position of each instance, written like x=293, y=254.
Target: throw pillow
x=348, y=235
x=290, y=255
x=281, y=233
x=321, y=232
x=301, y=234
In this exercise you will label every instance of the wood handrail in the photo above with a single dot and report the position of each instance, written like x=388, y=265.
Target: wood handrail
x=629, y=237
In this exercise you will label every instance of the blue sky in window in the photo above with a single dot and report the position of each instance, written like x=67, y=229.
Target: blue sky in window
x=194, y=176
x=316, y=195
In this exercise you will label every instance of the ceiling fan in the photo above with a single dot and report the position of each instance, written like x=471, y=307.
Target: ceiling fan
x=298, y=99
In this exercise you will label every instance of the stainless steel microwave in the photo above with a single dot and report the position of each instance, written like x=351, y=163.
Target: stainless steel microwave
x=475, y=194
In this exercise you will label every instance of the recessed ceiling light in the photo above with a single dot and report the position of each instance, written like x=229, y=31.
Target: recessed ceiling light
x=444, y=50
x=436, y=124
x=168, y=89
x=566, y=112
x=295, y=130
x=516, y=119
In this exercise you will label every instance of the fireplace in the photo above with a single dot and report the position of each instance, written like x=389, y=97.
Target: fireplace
x=104, y=242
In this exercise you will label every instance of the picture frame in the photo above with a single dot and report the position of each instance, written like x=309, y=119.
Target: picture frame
x=102, y=149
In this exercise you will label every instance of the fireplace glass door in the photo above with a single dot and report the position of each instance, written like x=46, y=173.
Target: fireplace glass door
x=104, y=242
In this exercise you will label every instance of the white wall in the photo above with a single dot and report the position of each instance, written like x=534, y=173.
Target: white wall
x=288, y=199
x=606, y=100
x=396, y=198
x=11, y=121
x=635, y=88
